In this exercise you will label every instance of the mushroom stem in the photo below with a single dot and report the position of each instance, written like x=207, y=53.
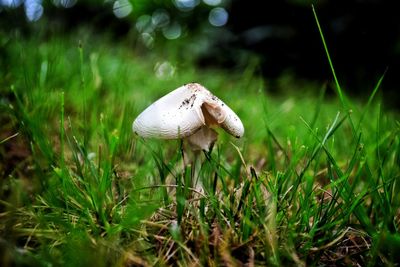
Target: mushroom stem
x=196, y=167
x=202, y=140
x=192, y=158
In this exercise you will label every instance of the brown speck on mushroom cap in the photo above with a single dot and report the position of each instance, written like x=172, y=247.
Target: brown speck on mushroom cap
x=194, y=86
x=188, y=101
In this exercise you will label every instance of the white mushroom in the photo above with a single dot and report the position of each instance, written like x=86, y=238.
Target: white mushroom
x=188, y=112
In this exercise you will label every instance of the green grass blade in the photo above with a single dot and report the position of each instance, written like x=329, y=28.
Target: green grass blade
x=370, y=99
x=338, y=87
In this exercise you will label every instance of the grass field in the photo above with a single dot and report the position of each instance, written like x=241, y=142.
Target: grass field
x=314, y=181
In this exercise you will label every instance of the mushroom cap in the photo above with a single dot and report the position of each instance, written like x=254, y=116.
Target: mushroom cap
x=183, y=112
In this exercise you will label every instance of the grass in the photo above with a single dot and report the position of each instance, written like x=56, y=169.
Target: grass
x=314, y=181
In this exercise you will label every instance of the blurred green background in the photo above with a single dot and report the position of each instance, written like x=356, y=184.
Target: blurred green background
x=280, y=37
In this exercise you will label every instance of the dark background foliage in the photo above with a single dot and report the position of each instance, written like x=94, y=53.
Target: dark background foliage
x=362, y=36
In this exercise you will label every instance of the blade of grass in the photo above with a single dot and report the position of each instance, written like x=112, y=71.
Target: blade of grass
x=318, y=106
x=370, y=99
x=9, y=138
x=84, y=93
x=338, y=87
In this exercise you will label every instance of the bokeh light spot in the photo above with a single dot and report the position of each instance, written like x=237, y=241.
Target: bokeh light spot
x=122, y=8
x=186, y=5
x=64, y=3
x=212, y=2
x=147, y=39
x=160, y=18
x=172, y=31
x=144, y=24
x=218, y=17
x=33, y=9
x=11, y=3
x=164, y=70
